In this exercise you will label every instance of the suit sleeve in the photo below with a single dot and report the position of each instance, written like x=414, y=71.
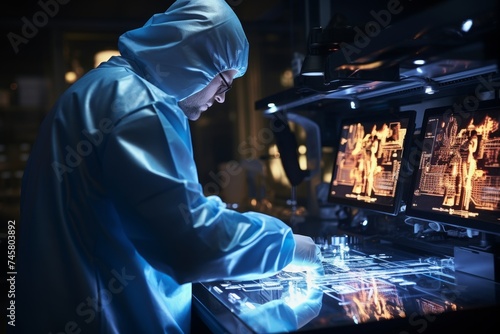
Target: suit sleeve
x=149, y=169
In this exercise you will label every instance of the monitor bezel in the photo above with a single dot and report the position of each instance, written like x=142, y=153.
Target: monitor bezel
x=437, y=216
x=378, y=117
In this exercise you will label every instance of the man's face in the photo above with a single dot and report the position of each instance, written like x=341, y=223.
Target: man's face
x=215, y=91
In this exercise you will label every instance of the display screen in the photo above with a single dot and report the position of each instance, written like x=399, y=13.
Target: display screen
x=457, y=180
x=360, y=286
x=367, y=169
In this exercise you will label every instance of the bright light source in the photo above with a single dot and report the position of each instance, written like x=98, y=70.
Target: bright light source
x=313, y=74
x=419, y=62
x=286, y=78
x=272, y=107
x=466, y=25
x=70, y=77
x=104, y=55
x=429, y=90
x=354, y=103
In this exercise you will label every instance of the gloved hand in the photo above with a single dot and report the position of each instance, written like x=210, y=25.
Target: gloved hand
x=307, y=256
x=278, y=316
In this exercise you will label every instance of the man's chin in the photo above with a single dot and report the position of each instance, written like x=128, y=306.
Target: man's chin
x=192, y=114
x=195, y=116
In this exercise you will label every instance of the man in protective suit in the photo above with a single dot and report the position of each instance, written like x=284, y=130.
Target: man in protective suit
x=114, y=223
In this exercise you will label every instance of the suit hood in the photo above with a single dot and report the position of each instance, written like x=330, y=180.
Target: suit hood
x=184, y=48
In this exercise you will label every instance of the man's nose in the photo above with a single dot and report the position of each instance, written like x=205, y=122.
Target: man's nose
x=220, y=98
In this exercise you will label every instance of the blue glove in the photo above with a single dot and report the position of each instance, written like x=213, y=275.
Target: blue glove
x=279, y=316
x=307, y=256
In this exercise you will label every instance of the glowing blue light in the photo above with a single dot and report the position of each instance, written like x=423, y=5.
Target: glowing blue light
x=354, y=103
x=466, y=25
x=272, y=107
x=429, y=90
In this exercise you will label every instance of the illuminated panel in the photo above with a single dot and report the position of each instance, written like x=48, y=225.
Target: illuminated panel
x=370, y=153
x=355, y=288
x=458, y=176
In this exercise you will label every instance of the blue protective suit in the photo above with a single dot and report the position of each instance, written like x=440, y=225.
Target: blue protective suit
x=114, y=224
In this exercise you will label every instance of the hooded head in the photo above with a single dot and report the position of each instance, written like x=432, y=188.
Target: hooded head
x=183, y=49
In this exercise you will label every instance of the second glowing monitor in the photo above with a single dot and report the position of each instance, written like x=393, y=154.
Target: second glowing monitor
x=457, y=178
